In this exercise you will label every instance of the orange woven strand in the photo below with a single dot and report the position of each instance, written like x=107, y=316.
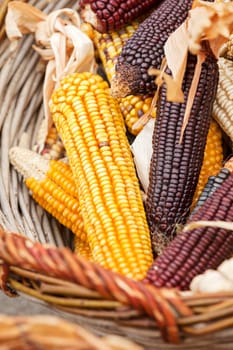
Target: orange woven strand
x=19, y=251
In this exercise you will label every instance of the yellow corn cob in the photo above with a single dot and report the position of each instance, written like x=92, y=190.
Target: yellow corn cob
x=52, y=186
x=223, y=105
x=82, y=248
x=109, y=47
x=92, y=129
x=213, y=158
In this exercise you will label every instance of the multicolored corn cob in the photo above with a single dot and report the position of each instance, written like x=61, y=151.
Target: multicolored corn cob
x=109, y=15
x=175, y=166
x=109, y=47
x=213, y=159
x=52, y=186
x=212, y=184
x=54, y=148
x=144, y=49
x=193, y=252
x=223, y=105
x=92, y=129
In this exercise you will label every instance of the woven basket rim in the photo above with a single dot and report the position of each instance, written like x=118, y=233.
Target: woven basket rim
x=102, y=300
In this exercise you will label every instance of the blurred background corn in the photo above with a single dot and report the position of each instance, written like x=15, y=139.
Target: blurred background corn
x=92, y=129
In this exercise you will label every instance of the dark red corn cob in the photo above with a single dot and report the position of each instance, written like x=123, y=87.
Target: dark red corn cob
x=109, y=15
x=193, y=252
x=175, y=166
x=212, y=184
x=144, y=49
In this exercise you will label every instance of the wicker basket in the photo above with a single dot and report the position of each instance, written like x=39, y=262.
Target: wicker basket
x=102, y=301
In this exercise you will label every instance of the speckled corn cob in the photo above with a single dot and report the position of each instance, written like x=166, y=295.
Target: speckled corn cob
x=109, y=47
x=213, y=159
x=193, y=252
x=109, y=15
x=52, y=186
x=92, y=129
x=223, y=105
x=54, y=148
x=175, y=166
x=212, y=184
x=144, y=49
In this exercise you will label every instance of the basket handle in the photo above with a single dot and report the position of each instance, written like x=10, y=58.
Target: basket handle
x=163, y=305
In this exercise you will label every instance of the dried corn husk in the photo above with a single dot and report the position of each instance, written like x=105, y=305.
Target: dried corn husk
x=142, y=152
x=59, y=40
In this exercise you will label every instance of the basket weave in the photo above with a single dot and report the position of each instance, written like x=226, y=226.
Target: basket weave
x=103, y=301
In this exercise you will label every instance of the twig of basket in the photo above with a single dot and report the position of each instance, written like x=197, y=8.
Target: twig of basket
x=161, y=305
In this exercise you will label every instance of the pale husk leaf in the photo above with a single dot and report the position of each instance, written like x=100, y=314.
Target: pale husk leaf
x=203, y=223
x=59, y=40
x=22, y=18
x=142, y=153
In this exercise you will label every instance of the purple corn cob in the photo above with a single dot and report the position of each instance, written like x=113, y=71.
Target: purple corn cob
x=108, y=15
x=212, y=184
x=175, y=167
x=144, y=49
x=193, y=252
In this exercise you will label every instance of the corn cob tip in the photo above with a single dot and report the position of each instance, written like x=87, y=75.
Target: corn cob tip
x=123, y=81
x=28, y=163
x=160, y=241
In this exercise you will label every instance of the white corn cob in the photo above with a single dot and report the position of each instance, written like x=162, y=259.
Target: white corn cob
x=223, y=105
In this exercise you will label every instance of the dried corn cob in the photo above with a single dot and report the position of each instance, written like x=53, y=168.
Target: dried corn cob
x=213, y=158
x=175, y=166
x=82, y=248
x=52, y=186
x=212, y=184
x=144, y=49
x=110, y=15
x=54, y=148
x=109, y=47
x=193, y=252
x=92, y=129
x=223, y=105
